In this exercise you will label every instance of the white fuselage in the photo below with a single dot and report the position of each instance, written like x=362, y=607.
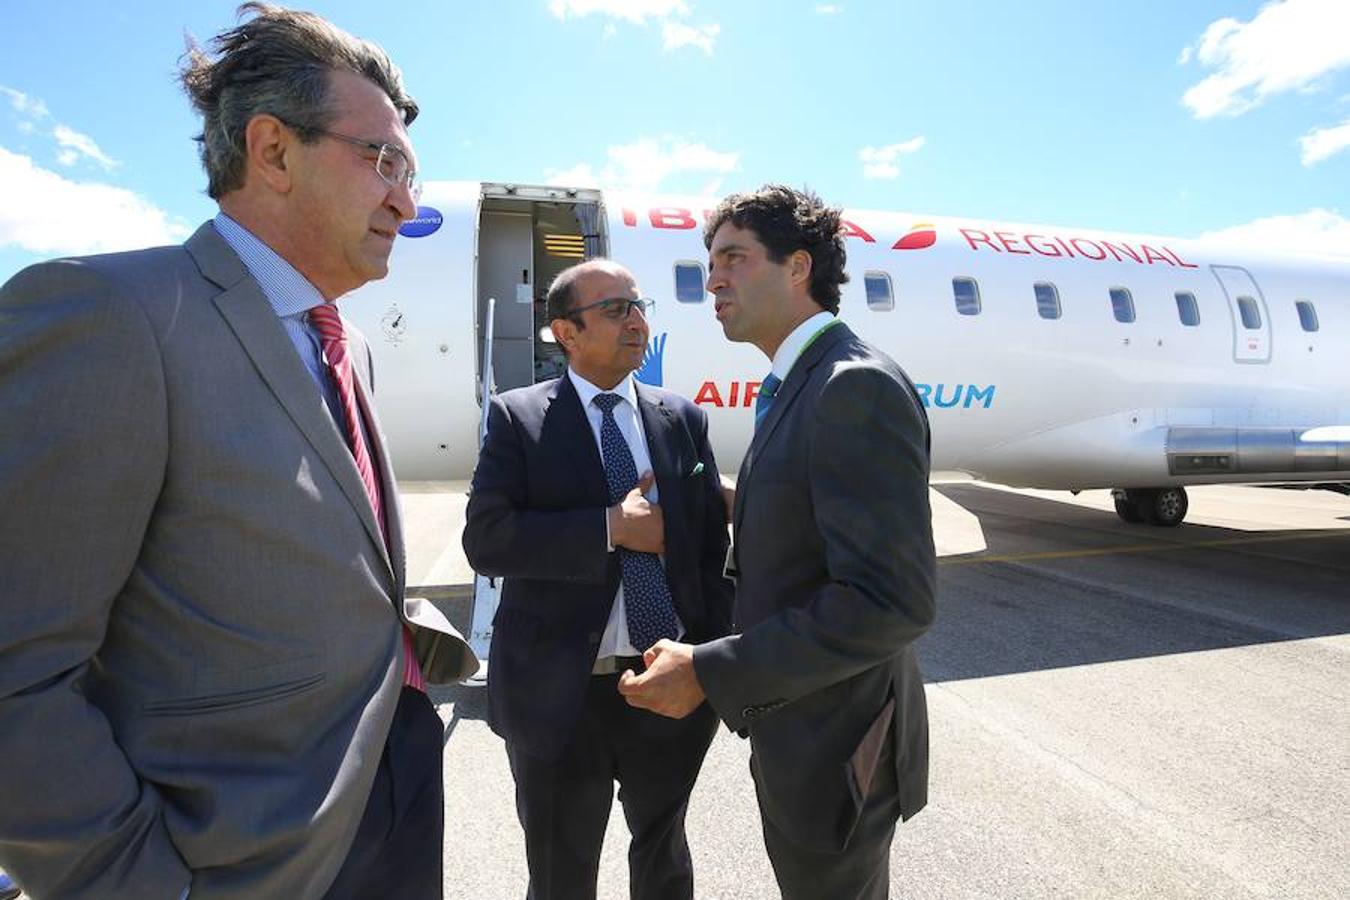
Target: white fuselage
x=1075, y=401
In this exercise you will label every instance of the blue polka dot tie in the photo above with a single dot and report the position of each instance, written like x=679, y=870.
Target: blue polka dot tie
x=646, y=595
x=768, y=389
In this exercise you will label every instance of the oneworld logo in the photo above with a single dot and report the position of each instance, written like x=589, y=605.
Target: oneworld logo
x=427, y=221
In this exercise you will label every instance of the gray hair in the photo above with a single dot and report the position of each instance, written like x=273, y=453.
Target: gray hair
x=278, y=62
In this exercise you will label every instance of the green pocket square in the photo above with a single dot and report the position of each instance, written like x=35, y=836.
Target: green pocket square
x=697, y=469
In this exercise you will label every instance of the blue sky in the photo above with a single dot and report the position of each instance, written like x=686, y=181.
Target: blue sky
x=1194, y=118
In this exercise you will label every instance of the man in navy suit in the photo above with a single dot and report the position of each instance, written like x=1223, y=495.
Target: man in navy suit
x=834, y=549
x=597, y=499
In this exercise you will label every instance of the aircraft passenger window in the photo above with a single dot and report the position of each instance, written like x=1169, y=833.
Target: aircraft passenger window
x=967, y=294
x=1250, y=312
x=1047, y=300
x=1122, y=305
x=879, y=293
x=1187, y=309
x=689, y=284
x=1307, y=315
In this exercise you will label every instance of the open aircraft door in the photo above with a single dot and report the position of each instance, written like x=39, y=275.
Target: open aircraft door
x=1251, y=320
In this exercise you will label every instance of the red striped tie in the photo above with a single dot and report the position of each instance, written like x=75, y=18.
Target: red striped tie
x=334, y=339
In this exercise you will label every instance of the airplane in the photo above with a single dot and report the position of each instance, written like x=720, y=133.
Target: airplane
x=1046, y=357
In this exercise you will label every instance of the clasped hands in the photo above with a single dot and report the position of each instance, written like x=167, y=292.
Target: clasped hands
x=670, y=684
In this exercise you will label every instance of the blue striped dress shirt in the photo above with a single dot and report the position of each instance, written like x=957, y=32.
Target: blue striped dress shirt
x=291, y=296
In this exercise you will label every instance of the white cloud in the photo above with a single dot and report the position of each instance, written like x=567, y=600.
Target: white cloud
x=1315, y=231
x=80, y=144
x=30, y=107
x=647, y=164
x=73, y=144
x=884, y=162
x=829, y=9
x=1323, y=143
x=1287, y=46
x=44, y=212
x=675, y=35
x=635, y=11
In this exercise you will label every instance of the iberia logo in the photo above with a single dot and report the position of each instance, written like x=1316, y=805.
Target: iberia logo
x=920, y=236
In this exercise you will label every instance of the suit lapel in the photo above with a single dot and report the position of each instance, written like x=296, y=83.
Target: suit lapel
x=657, y=424
x=563, y=412
x=393, y=517
x=250, y=316
x=798, y=376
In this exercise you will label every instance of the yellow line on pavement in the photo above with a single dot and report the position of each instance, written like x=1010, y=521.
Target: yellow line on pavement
x=1163, y=547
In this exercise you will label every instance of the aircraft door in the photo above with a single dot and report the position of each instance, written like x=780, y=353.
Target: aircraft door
x=505, y=264
x=1251, y=320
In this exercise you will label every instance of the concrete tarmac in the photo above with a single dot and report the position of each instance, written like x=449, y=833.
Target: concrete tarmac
x=1117, y=711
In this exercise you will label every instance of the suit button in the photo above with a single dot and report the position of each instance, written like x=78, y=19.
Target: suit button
x=593, y=637
x=749, y=713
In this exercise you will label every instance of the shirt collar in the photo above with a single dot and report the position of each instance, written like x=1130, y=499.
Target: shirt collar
x=588, y=392
x=794, y=343
x=289, y=292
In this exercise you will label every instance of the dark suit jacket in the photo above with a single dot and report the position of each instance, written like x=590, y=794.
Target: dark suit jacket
x=536, y=517
x=199, y=621
x=834, y=546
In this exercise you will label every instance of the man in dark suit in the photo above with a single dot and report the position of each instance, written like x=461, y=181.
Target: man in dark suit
x=211, y=683
x=595, y=573
x=834, y=549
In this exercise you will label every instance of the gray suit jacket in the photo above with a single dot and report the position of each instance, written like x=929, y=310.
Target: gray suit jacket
x=834, y=546
x=199, y=622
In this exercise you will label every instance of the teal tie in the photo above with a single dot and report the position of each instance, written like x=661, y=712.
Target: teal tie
x=768, y=389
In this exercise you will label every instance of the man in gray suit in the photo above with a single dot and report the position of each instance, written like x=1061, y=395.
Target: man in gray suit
x=834, y=550
x=210, y=682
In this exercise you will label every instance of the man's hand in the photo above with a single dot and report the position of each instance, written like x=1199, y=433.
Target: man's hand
x=636, y=524
x=669, y=686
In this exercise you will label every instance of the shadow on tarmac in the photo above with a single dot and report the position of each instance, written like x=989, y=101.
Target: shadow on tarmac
x=467, y=702
x=1063, y=585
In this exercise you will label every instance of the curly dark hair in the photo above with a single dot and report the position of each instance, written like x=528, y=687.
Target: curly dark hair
x=277, y=62
x=787, y=220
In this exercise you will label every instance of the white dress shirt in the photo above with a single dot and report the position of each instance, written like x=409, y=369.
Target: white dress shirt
x=615, y=641
x=795, y=343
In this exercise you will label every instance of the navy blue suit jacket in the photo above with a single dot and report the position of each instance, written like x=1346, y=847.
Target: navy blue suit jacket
x=536, y=517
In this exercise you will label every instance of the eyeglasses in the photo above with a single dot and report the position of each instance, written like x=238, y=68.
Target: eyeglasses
x=390, y=162
x=616, y=308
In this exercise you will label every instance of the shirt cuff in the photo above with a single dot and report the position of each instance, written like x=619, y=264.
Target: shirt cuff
x=609, y=543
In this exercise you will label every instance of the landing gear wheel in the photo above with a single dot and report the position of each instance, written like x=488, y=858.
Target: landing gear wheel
x=1156, y=506
x=1127, y=506
x=1167, y=506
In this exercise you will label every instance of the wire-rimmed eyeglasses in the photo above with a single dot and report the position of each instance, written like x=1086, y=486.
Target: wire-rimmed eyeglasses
x=390, y=162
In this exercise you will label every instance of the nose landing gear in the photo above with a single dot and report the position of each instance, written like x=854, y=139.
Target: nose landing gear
x=1156, y=506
